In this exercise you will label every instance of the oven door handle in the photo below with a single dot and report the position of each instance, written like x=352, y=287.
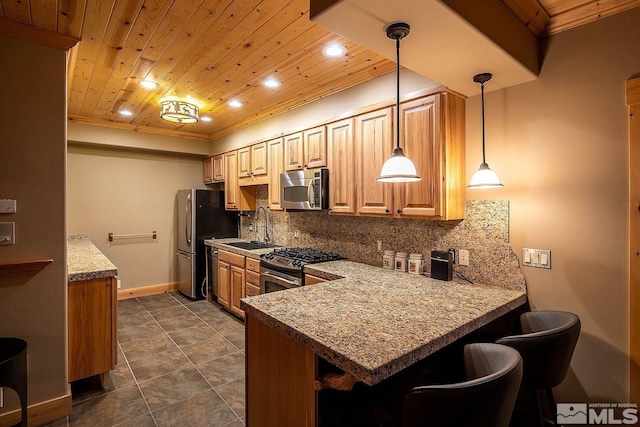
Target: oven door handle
x=281, y=279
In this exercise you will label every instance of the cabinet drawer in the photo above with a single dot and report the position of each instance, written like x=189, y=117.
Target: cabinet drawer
x=231, y=258
x=253, y=265
x=253, y=278
x=251, y=290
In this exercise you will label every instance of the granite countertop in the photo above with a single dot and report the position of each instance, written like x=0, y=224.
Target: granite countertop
x=85, y=261
x=372, y=323
x=251, y=253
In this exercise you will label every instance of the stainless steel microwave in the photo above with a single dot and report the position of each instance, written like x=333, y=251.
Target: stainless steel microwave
x=305, y=190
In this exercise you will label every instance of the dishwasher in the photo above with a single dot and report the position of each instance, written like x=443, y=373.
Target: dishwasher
x=212, y=272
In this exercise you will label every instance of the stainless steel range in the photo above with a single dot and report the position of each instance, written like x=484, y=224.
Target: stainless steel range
x=283, y=268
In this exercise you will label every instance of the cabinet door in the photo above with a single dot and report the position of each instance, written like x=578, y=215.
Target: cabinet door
x=244, y=162
x=207, y=170
x=224, y=283
x=420, y=141
x=315, y=147
x=341, y=156
x=275, y=153
x=374, y=145
x=293, y=146
x=218, y=167
x=237, y=289
x=231, y=182
x=259, y=159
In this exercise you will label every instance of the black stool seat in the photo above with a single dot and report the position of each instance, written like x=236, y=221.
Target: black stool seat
x=13, y=370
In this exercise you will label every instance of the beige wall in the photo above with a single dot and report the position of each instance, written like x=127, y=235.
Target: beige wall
x=560, y=146
x=32, y=150
x=129, y=192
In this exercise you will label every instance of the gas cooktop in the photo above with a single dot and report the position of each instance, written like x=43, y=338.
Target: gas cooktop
x=298, y=257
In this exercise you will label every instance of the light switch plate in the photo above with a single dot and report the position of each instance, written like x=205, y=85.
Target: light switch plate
x=7, y=233
x=7, y=206
x=539, y=258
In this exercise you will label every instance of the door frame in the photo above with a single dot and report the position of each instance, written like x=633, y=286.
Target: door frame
x=632, y=98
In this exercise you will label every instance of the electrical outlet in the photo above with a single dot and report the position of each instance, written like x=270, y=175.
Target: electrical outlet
x=379, y=245
x=296, y=234
x=119, y=283
x=463, y=257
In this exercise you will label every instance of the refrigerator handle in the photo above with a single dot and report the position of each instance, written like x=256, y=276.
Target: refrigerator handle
x=187, y=221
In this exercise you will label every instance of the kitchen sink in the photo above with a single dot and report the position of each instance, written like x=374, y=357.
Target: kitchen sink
x=251, y=245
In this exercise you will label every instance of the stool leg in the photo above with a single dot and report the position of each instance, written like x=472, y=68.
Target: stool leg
x=552, y=406
x=21, y=388
x=536, y=407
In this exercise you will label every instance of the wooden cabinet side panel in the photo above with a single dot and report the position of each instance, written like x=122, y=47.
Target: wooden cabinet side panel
x=275, y=157
x=420, y=140
x=293, y=152
x=259, y=159
x=310, y=279
x=315, y=147
x=455, y=158
x=341, y=155
x=374, y=145
x=91, y=324
x=231, y=180
x=279, y=378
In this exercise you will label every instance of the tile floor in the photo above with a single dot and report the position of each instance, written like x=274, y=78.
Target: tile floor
x=180, y=363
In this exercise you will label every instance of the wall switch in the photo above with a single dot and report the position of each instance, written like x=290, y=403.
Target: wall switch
x=119, y=283
x=296, y=234
x=7, y=206
x=539, y=258
x=379, y=245
x=7, y=233
x=463, y=257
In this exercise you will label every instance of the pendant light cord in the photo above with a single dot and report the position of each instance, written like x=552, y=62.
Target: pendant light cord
x=482, y=91
x=398, y=91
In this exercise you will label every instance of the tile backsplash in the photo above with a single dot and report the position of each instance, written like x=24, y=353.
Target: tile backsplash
x=484, y=232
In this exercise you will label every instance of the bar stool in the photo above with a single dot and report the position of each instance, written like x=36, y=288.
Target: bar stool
x=13, y=370
x=486, y=399
x=546, y=346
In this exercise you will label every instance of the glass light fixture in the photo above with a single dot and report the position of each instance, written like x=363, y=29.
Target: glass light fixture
x=398, y=168
x=484, y=177
x=334, y=50
x=179, y=112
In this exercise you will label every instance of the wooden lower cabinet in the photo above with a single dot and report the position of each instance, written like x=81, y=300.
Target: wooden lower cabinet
x=237, y=290
x=92, y=328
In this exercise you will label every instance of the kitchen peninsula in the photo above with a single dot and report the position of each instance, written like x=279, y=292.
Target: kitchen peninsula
x=92, y=312
x=369, y=322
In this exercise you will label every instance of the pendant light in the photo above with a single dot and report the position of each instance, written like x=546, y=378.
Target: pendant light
x=484, y=177
x=398, y=168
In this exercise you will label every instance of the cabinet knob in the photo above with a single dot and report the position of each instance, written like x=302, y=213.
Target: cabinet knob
x=387, y=211
x=299, y=166
x=329, y=209
x=399, y=211
x=305, y=166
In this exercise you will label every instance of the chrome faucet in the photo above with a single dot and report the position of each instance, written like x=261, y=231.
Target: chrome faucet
x=266, y=238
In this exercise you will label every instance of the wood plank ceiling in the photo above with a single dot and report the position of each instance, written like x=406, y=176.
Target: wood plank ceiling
x=209, y=52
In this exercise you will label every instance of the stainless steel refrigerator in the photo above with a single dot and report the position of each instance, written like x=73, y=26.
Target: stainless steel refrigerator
x=201, y=215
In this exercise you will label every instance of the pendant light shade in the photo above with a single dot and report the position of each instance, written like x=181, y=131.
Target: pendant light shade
x=399, y=168
x=484, y=177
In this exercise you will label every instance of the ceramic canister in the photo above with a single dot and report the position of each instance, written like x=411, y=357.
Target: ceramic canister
x=401, y=261
x=415, y=264
x=388, y=259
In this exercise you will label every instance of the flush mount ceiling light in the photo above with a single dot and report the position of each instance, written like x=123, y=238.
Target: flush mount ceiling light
x=398, y=168
x=148, y=84
x=179, y=112
x=235, y=103
x=125, y=113
x=334, y=50
x=484, y=177
x=271, y=83
x=206, y=118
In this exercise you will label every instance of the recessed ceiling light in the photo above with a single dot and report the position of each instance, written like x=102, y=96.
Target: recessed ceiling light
x=235, y=103
x=125, y=113
x=271, y=83
x=148, y=84
x=206, y=118
x=334, y=50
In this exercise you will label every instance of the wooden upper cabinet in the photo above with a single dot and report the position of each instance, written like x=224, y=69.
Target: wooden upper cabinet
x=231, y=180
x=207, y=170
x=218, y=167
x=374, y=145
x=315, y=147
x=341, y=162
x=293, y=152
x=259, y=159
x=433, y=137
x=275, y=156
x=244, y=162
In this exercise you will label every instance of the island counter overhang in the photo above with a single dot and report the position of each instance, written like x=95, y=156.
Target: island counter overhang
x=373, y=323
